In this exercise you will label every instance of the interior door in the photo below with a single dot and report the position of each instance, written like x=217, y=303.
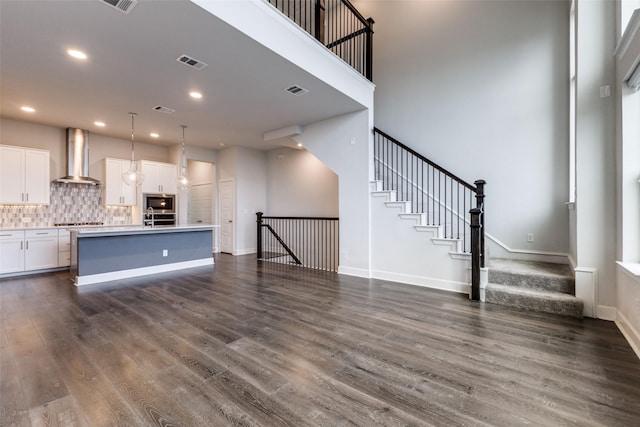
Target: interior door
x=227, y=233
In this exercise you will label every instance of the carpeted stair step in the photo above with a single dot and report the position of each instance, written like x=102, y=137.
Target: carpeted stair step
x=535, y=300
x=532, y=275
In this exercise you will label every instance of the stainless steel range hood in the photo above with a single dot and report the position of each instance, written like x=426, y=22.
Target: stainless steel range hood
x=78, y=158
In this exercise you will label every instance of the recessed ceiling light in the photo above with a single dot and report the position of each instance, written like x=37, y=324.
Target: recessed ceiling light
x=101, y=124
x=299, y=144
x=28, y=109
x=222, y=144
x=77, y=54
x=196, y=95
x=154, y=135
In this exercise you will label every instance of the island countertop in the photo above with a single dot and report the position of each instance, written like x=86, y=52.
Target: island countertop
x=137, y=229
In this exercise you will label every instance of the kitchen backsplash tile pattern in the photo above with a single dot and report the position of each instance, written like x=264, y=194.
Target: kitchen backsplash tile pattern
x=69, y=203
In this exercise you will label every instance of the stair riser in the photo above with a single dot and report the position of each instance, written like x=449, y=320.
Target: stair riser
x=544, y=305
x=538, y=282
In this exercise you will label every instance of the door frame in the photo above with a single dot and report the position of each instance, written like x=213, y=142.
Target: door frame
x=221, y=185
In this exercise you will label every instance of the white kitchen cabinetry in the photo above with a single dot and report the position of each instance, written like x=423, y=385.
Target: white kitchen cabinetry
x=30, y=250
x=11, y=251
x=40, y=249
x=116, y=191
x=159, y=177
x=64, y=248
x=24, y=176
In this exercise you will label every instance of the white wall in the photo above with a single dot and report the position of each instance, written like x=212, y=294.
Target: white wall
x=248, y=170
x=343, y=144
x=26, y=134
x=595, y=156
x=481, y=88
x=299, y=184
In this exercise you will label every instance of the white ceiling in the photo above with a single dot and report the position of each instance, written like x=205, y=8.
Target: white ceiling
x=132, y=67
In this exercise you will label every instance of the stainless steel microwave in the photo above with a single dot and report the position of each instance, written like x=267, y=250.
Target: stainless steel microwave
x=160, y=203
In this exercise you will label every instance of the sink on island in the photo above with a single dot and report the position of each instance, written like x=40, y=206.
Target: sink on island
x=102, y=254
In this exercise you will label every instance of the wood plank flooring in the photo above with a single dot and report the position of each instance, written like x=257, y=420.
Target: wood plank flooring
x=260, y=344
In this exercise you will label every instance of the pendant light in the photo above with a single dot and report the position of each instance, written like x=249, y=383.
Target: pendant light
x=183, y=181
x=133, y=176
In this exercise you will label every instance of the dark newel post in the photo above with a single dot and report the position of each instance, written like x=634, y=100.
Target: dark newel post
x=480, y=205
x=320, y=12
x=475, y=253
x=259, y=221
x=369, y=47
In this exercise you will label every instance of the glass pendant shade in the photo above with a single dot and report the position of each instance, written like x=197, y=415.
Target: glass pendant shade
x=133, y=176
x=183, y=180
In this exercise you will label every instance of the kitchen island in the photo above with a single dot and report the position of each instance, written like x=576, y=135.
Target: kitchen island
x=102, y=254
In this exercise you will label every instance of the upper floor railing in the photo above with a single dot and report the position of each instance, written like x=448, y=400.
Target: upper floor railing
x=336, y=24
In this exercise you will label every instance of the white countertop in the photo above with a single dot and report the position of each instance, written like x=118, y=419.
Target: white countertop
x=101, y=231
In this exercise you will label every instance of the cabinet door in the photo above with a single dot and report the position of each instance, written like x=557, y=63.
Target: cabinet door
x=167, y=175
x=11, y=255
x=150, y=172
x=37, y=185
x=41, y=252
x=128, y=191
x=12, y=175
x=113, y=182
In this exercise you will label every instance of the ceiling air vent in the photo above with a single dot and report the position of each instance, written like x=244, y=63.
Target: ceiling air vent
x=191, y=62
x=296, y=90
x=124, y=6
x=165, y=110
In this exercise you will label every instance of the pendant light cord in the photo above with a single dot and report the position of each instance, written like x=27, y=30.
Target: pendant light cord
x=132, y=138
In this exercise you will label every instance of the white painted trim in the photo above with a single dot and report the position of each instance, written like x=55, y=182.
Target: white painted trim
x=630, y=268
x=586, y=289
x=607, y=313
x=428, y=282
x=632, y=336
x=142, y=271
x=245, y=251
x=353, y=271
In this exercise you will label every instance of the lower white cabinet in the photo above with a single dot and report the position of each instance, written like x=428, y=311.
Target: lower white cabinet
x=11, y=251
x=27, y=250
x=64, y=248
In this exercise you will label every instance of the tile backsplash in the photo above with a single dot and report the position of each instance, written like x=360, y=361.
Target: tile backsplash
x=69, y=203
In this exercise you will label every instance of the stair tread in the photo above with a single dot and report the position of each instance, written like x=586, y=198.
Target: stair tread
x=531, y=292
x=530, y=267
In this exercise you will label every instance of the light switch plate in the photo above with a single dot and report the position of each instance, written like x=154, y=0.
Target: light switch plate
x=26, y=219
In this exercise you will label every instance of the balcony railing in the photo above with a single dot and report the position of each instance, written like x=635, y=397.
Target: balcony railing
x=336, y=24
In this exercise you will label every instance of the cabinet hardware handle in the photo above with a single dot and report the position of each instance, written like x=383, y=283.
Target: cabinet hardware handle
x=21, y=245
x=27, y=197
x=27, y=245
x=5, y=235
x=22, y=196
x=43, y=233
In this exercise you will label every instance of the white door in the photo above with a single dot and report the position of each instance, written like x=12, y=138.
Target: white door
x=227, y=234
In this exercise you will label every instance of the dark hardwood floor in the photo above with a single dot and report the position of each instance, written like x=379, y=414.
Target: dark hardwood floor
x=260, y=344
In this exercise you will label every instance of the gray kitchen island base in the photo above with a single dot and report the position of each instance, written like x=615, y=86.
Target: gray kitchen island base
x=105, y=254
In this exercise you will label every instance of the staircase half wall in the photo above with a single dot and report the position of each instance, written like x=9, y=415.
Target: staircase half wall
x=400, y=252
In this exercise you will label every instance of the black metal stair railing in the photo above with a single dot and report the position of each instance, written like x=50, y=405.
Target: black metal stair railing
x=306, y=241
x=338, y=25
x=440, y=196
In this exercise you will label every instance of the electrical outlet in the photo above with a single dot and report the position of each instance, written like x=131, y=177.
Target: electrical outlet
x=26, y=219
x=530, y=237
x=165, y=252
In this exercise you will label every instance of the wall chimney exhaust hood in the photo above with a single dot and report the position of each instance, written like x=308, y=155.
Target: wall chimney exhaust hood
x=78, y=158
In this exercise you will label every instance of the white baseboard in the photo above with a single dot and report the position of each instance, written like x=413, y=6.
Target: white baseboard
x=247, y=251
x=142, y=271
x=607, y=313
x=353, y=271
x=497, y=249
x=428, y=282
x=632, y=336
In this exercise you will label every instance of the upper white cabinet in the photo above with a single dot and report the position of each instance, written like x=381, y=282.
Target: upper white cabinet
x=116, y=191
x=159, y=177
x=24, y=176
